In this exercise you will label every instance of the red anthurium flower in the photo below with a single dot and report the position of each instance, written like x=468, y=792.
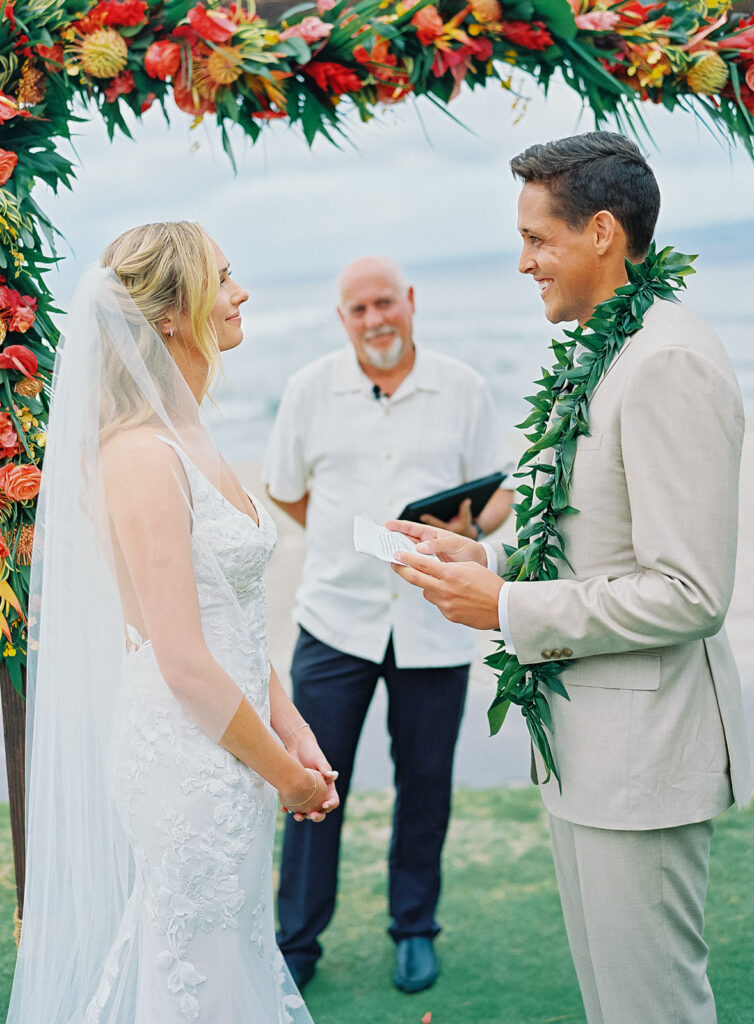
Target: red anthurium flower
x=162, y=59
x=8, y=161
x=120, y=85
x=19, y=357
x=429, y=25
x=215, y=26
x=189, y=101
x=124, y=12
x=9, y=108
x=332, y=77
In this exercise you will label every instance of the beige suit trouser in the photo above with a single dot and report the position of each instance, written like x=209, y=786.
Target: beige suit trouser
x=633, y=904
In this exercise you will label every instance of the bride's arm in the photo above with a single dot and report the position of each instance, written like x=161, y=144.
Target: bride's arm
x=298, y=738
x=149, y=510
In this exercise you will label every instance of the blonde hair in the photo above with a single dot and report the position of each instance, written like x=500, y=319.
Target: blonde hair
x=171, y=267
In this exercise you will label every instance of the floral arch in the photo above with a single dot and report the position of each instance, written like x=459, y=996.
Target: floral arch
x=315, y=65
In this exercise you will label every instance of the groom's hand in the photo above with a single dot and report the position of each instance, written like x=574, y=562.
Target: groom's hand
x=448, y=546
x=463, y=591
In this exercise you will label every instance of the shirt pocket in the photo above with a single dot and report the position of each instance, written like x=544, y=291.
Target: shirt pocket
x=628, y=671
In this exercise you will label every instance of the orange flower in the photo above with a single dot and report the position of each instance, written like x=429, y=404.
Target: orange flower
x=21, y=483
x=52, y=57
x=429, y=25
x=216, y=26
x=8, y=161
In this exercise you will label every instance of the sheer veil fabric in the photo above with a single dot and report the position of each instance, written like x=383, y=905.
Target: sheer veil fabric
x=116, y=395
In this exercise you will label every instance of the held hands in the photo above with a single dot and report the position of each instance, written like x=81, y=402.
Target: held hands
x=302, y=745
x=307, y=801
x=460, y=585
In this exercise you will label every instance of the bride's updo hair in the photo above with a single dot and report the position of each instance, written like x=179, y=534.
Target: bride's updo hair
x=171, y=267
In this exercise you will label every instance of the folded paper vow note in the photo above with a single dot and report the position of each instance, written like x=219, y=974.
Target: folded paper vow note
x=371, y=539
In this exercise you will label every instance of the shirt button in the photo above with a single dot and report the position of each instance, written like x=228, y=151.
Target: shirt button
x=388, y=456
x=546, y=655
x=395, y=597
x=390, y=504
x=567, y=652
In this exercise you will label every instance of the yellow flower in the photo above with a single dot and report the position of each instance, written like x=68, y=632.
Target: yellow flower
x=10, y=650
x=708, y=75
x=101, y=54
x=40, y=438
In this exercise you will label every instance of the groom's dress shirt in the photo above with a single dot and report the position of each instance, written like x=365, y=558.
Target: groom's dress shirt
x=357, y=452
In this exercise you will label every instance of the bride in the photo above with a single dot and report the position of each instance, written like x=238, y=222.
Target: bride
x=152, y=767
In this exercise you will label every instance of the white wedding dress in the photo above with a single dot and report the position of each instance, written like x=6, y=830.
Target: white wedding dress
x=197, y=940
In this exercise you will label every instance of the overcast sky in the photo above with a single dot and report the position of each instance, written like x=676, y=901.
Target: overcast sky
x=411, y=183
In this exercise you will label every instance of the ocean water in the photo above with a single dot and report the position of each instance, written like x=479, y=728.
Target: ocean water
x=479, y=309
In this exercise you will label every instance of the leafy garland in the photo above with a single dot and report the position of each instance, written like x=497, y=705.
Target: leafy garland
x=219, y=58
x=559, y=416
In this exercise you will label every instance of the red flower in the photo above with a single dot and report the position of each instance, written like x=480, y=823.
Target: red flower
x=4, y=549
x=17, y=310
x=21, y=483
x=429, y=25
x=215, y=26
x=19, y=357
x=9, y=108
x=52, y=57
x=119, y=86
x=162, y=59
x=8, y=13
x=332, y=77
x=124, y=12
x=8, y=161
x=531, y=35
x=188, y=100
x=8, y=437
x=147, y=102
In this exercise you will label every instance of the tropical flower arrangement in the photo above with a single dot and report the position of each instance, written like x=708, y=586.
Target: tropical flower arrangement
x=322, y=60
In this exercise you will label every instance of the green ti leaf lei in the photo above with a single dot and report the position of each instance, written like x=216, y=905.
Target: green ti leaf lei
x=560, y=414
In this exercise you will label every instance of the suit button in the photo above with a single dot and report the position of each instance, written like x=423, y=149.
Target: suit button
x=546, y=655
x=555, y=654
x=567, y=652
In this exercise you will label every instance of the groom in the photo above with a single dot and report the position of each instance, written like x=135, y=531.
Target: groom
x=651, y=744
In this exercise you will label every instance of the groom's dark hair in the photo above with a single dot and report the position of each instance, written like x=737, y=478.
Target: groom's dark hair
x=596, y=171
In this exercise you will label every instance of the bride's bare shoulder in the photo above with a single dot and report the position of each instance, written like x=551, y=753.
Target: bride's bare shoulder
x=141, y=450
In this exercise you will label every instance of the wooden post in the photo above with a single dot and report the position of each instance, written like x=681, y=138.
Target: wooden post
x=14, y=727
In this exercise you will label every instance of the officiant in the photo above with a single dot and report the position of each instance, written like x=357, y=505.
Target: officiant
x=366, y=429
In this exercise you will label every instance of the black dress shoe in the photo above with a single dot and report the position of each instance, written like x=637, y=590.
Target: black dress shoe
x=416, y=966
x=302, y=974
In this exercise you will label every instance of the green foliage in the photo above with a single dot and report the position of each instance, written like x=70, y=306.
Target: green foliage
x=559, y=416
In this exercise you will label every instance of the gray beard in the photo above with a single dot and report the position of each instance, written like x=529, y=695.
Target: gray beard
x=385, y=359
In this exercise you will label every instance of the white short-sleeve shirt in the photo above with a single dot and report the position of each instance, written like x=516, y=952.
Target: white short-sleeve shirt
x=355, y=453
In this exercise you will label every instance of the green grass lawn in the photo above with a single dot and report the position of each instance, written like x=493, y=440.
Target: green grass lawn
x=503, y=948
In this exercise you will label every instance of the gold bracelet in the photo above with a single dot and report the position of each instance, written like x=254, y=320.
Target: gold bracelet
x=292, y=807
x=304, y=725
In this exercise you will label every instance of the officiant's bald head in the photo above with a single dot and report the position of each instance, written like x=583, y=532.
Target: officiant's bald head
x=376, y=308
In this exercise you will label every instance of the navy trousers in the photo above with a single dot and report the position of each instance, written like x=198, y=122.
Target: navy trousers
x=333, y=691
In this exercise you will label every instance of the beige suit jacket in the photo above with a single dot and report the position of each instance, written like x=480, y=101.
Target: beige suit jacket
x=654, y=733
